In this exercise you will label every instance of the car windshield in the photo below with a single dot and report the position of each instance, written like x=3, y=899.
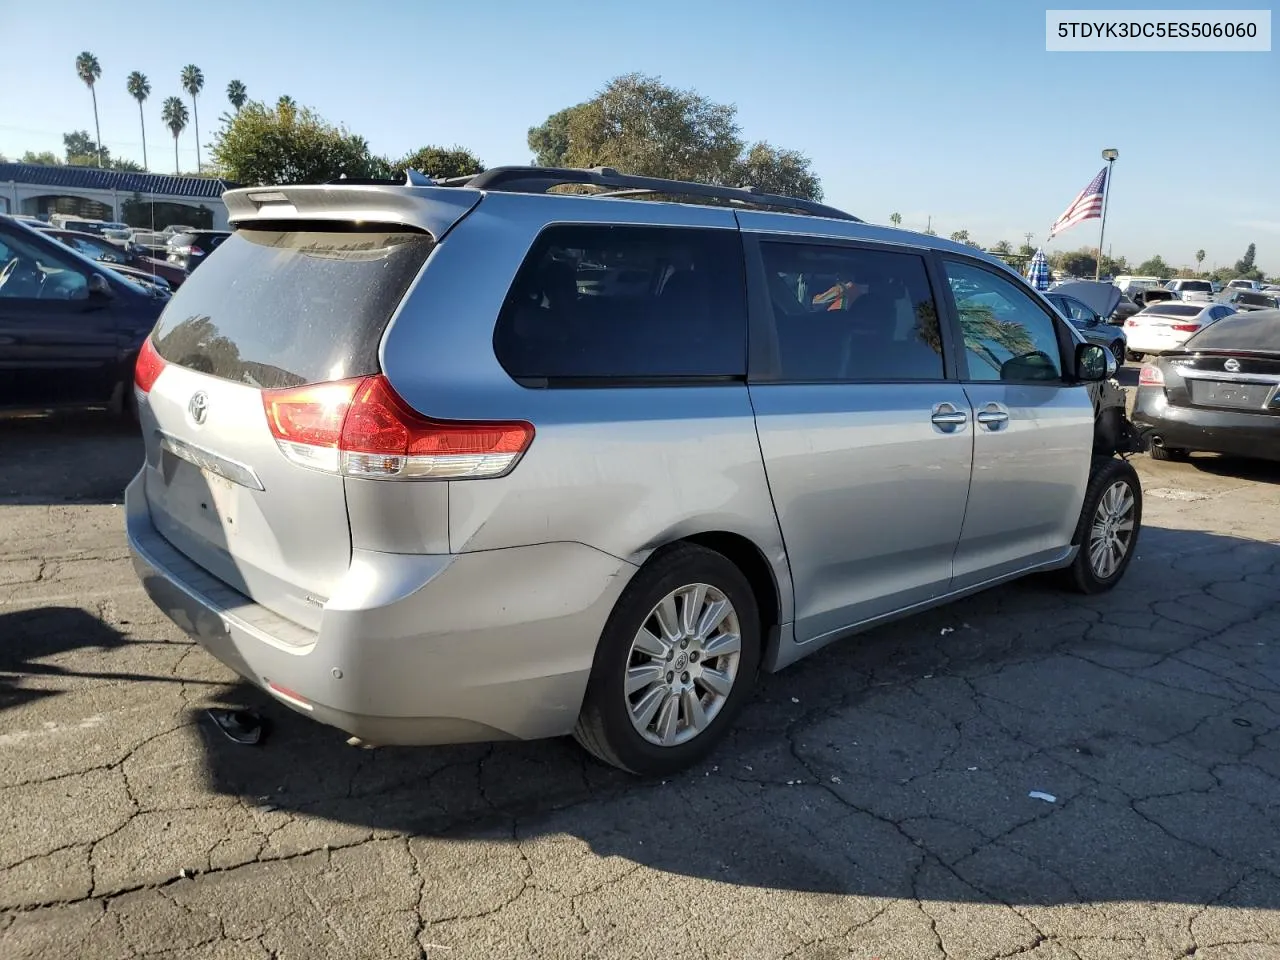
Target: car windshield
x=1172, y=310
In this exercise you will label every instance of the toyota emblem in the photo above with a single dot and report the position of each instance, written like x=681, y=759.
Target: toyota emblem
x=198, y=406
x=1232, y=365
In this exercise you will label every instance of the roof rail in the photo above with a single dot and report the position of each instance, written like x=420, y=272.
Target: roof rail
x=410, y=178
x=615, y=184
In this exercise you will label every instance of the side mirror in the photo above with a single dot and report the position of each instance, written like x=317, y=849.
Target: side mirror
x=1094, y=363
x=99, y=286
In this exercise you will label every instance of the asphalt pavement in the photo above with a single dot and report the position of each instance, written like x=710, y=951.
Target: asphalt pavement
x=1026, y=773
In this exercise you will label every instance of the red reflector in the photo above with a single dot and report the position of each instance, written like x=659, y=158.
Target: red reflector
x=1150, y=376
x=1131, y=323
x=195, y=251
x=148, y=368
x=287, y=694
x=310, y=414
x=1187, y=327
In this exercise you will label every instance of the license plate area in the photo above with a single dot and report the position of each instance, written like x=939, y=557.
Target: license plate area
x=1230, y=396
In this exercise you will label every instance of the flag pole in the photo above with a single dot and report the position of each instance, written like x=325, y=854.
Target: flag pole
x=1108, y=155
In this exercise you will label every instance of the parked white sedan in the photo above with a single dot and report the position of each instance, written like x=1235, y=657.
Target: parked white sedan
x=1165, y=326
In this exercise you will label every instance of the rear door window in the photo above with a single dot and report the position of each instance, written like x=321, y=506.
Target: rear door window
x=596, y=304
x=283, y=308
x=844, y=314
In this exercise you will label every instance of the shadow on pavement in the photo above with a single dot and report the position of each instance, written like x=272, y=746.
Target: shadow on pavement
x=899, y=763
x=1238, y=468
x=72, y=457
x=30, y=640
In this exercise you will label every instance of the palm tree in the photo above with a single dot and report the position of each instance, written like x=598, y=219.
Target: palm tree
x=237, y=94
x=89, y=71
x=174, y=115
x=139, y=88
x=896, y=219
x=1199, y=258
x=193, y=83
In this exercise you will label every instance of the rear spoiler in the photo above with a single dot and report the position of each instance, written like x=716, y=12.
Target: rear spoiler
x=430, y=209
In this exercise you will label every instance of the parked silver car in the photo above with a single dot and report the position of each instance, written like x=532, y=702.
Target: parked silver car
x=405, y=474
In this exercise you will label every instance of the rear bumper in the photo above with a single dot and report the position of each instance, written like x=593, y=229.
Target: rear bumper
x=1212, y=431
x=411, y=649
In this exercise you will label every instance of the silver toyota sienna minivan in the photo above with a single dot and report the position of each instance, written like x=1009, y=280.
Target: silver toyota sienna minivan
x=438, y=461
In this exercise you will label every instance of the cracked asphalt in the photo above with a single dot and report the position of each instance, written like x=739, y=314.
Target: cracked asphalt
x=872, y=803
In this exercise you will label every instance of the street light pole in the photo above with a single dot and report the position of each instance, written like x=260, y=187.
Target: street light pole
x=1108, y=155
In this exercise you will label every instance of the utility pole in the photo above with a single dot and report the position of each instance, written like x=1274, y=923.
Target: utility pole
x=1028, y=235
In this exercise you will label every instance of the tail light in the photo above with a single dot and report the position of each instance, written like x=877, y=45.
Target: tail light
x=1186, y=327
x=1150, y=376
x=362, y=428
x=193, y=251
x=148, y=368
x=1131, y=323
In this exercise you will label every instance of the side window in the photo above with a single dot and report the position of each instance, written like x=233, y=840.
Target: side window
x=1007, y=335
x=597, y=302
x=846, y=314
x=1080, y=313
x=29, y=271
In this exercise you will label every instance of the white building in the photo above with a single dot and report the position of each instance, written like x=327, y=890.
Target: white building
x=147, y=200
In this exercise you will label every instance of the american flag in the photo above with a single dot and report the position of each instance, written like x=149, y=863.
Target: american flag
x=1087, y=206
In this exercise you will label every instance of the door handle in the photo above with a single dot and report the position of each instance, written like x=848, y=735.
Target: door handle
x=947, y=417
x=993, y=416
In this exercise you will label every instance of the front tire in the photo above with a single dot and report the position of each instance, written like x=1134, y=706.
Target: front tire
x=1118, y=351
x=675, y=664
x=1107, y=532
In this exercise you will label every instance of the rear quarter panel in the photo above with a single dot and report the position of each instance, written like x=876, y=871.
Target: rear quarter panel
x=623, y=470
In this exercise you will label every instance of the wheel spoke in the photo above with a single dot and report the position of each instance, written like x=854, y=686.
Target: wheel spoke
x=648, y=643
x=712, y=617
x=1123, y=526
x=723, y=645
x=691, y=601
x=642, y=676
x=668, y=618
x=668, y=719
x=1099, y=529
x=691, y=707
x=642, y=713
x=717, y=681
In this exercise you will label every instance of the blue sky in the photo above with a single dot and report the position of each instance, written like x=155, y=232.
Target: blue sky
x=942, y=109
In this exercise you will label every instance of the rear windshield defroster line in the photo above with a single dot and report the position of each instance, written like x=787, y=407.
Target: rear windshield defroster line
x=279, y=308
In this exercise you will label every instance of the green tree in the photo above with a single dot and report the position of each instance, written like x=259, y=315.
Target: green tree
x=45, y=158
x=638, y=124
x=1003, y=247
x=89, y=70
x=174, y=115
x=1075, y=263
x=288, y=144
x=286, y=102
x=1199, y=258
x=237, y=94
x=139, y=88
x=960, y=236
x=1155, y=267
x=127, y=166
x=1026, y=250
x=930, y=232
x=895, y=218
x=443, y=162
x=81, y=151
x=1246, y=267
x=193, y=83
x=784, y=173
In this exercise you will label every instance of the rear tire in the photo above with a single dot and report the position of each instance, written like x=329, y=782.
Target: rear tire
x=657, y=672
x=1133, y=357
x=1107, y=532
x=1176, y=454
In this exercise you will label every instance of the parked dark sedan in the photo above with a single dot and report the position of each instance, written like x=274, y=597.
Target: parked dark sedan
x=1218, y=392
x=188, y=250
x=70, y=327
x=1246, y=300
x=112, y=253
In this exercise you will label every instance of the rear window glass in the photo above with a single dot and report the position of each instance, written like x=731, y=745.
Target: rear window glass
x=1199, y=286
x=282, y=308
x=1173, y=310
x=1259, y=330
x=597, y=303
